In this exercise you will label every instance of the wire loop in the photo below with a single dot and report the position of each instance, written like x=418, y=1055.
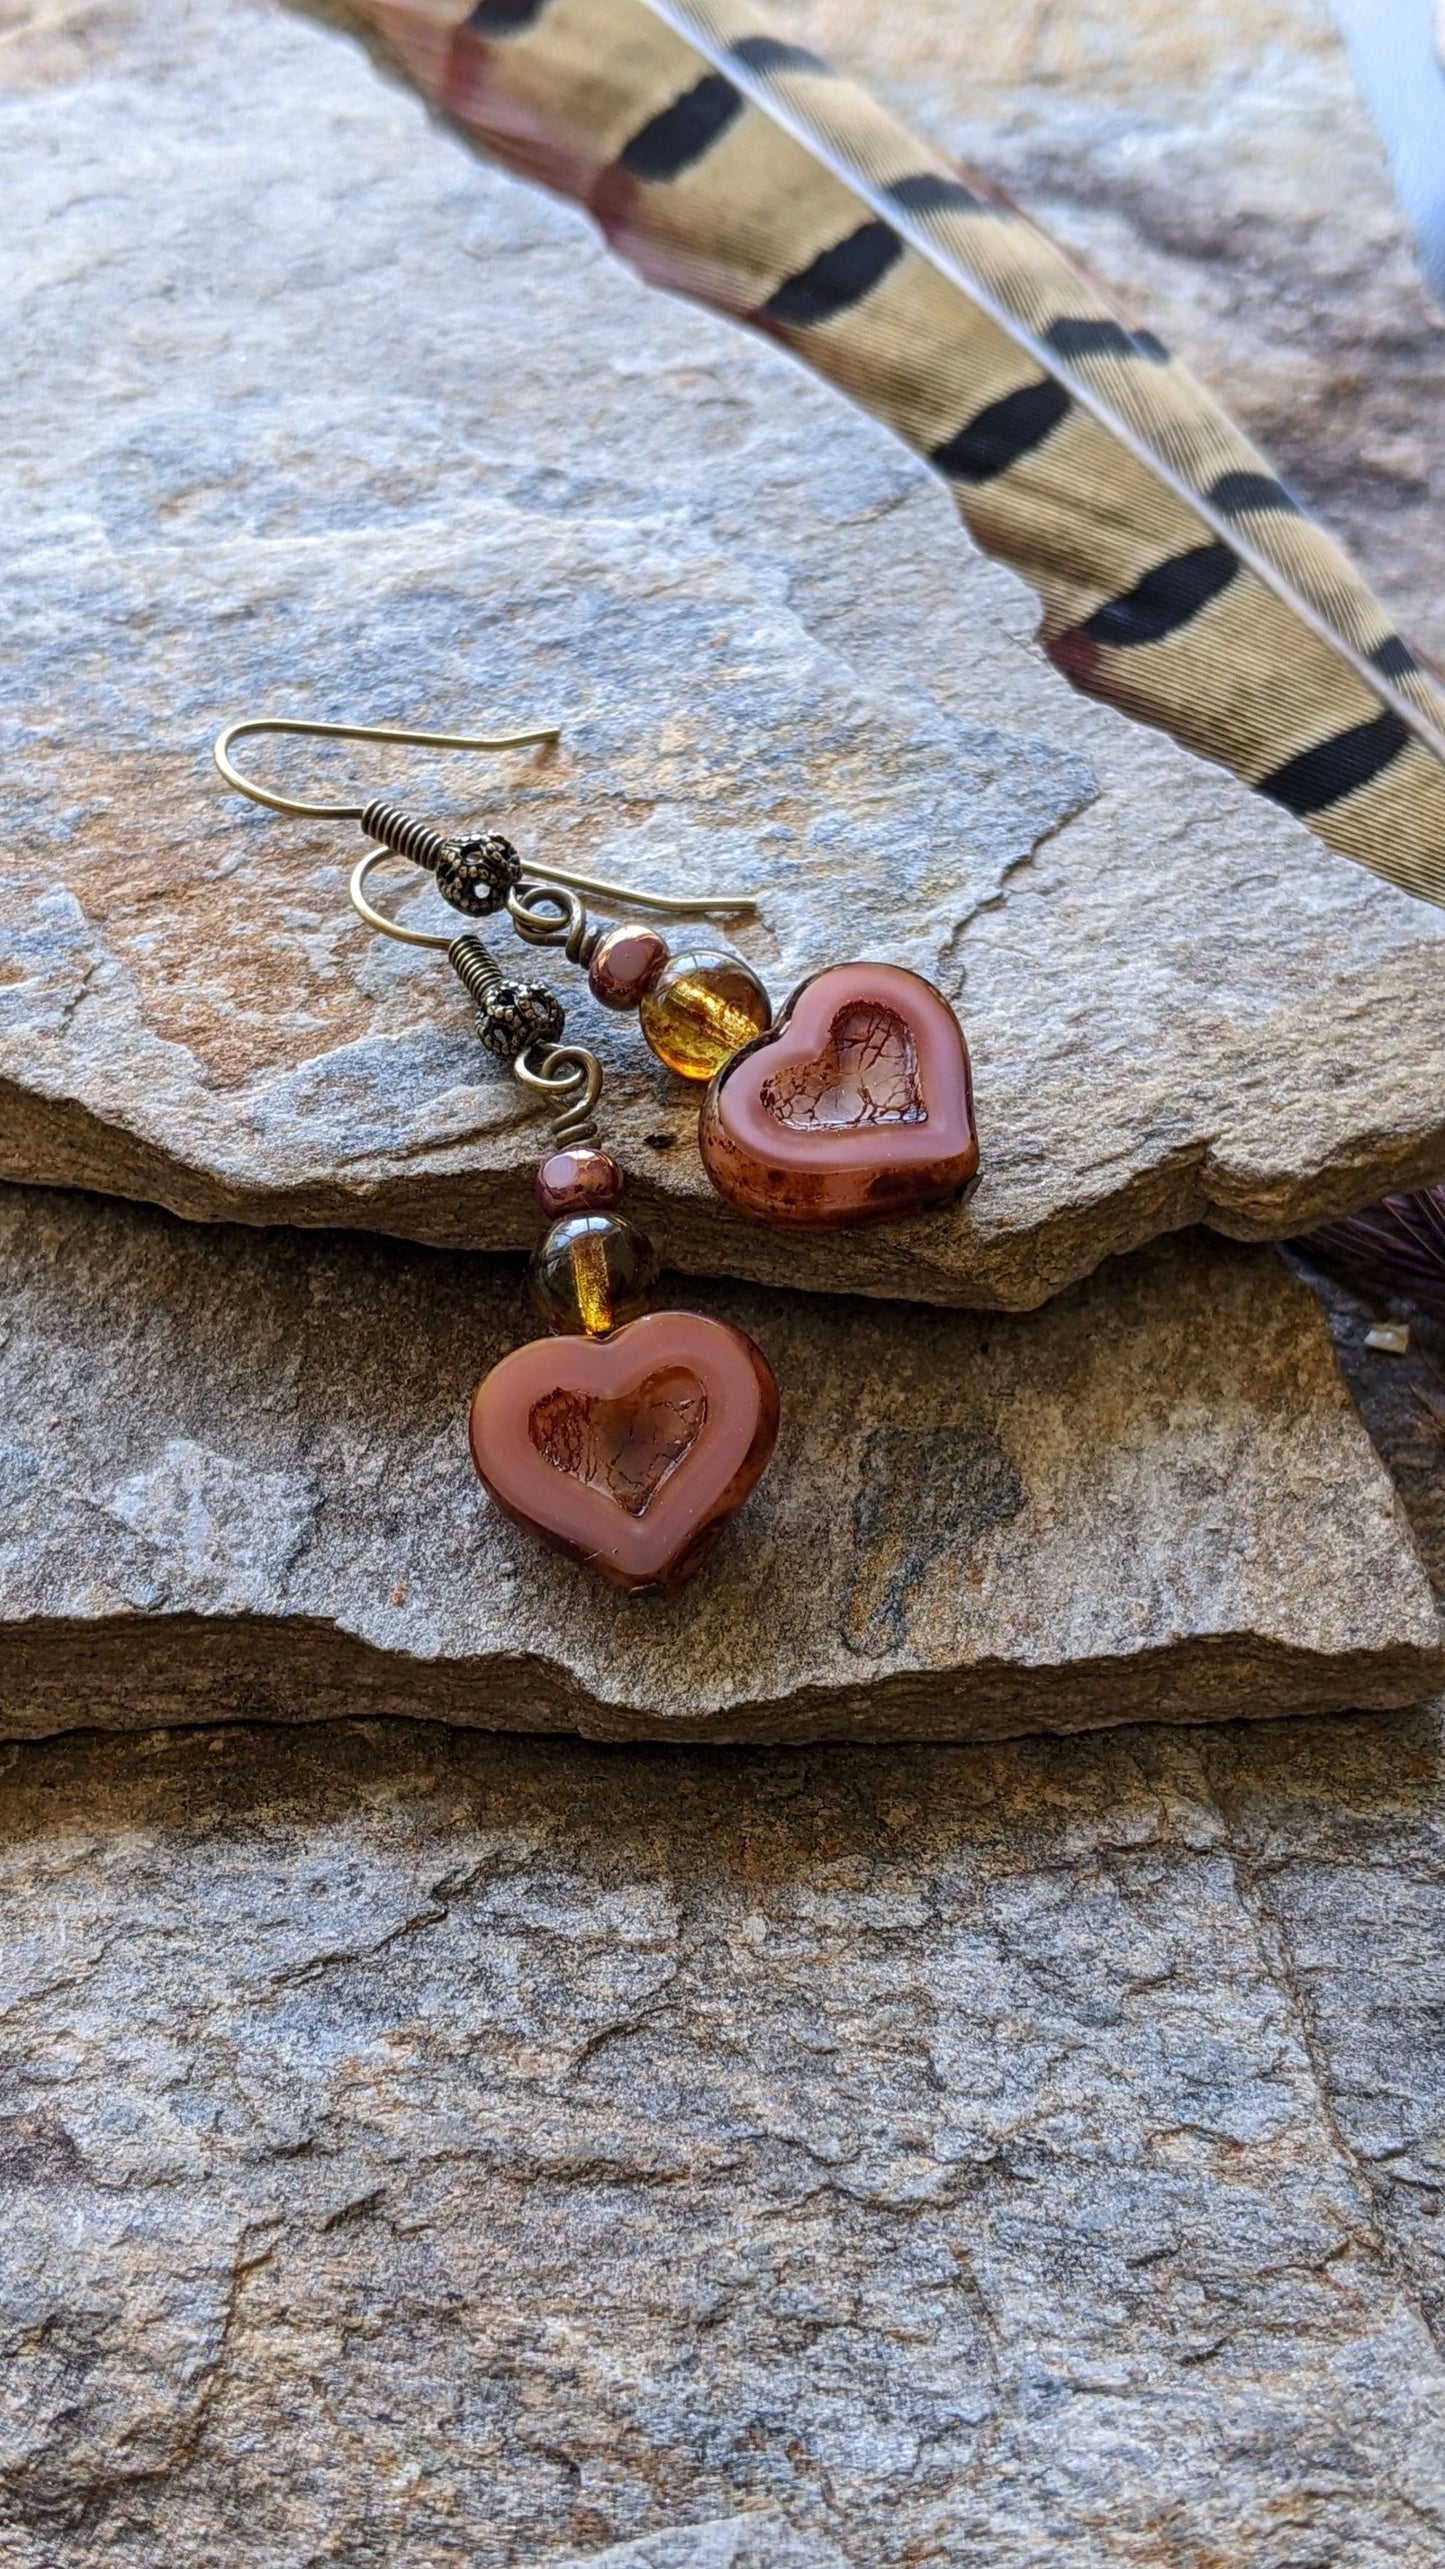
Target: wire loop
x=576, y=1088
x=376, y=919
x=548, y=914
x=255, y=725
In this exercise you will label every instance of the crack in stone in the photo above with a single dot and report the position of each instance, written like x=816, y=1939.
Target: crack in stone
x=1274, y=1948
x=951, y=968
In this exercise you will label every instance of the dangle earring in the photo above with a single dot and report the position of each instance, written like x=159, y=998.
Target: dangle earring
x=854, y=1105
x=630, y=1437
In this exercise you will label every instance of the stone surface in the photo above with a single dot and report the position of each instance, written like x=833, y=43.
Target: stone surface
x=474, y=2153
x=312, y=411
x=236, y=1483
x=423, y=2146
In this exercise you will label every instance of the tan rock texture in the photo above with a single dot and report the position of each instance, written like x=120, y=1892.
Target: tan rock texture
x=427, y=2148
x=309, y=410
x=236, y=1483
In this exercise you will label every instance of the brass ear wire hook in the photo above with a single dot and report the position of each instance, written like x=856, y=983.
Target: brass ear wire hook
x=543, y=914
x=255, y=725
x=402, y=836
x=480, y=873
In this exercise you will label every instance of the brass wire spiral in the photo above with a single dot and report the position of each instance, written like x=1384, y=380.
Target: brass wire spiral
x=547, y=914
x=573, y=1076
x=478, y=972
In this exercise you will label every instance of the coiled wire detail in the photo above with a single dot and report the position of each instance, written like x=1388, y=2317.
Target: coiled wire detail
x=571, y=1076
x=404, y=834
x=547, y=914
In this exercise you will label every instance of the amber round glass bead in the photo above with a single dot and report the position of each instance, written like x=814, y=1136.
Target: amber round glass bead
x=581, y=1181
x=625, y=963
x=592, y=1272
x=701, y=1009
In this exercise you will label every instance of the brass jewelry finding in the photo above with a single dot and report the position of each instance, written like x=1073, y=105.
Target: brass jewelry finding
x=255, y=724
x=403, y=835
x=572, y=1077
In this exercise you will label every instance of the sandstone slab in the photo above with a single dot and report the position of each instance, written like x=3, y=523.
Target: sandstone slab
x=310, y=409
x=478, y=2152
x=236, y=1483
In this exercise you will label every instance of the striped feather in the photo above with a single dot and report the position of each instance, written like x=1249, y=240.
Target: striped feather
x=1179, y=580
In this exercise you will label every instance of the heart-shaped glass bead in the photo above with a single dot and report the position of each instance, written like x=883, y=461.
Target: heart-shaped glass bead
x=855, y=1106
x=629, y=1452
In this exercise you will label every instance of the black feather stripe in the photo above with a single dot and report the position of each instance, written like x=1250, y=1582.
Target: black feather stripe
x=1246, y=494
x=1169, y=596
x=1094, y=336
x=929, y=192
x=1004, y=433
x=1335, y=768
x=672, y=141
x=769, y=57
x=838, y=278
x=1394, y=658
x=505, y=17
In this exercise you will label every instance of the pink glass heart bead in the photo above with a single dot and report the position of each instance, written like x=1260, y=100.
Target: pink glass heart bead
x=629, y=1452
x=856, y=1106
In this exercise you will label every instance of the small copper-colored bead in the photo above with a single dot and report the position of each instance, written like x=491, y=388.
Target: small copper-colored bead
x=577, y=1182
x=592, y=1272
x=625, y=964
x=703, y=1008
